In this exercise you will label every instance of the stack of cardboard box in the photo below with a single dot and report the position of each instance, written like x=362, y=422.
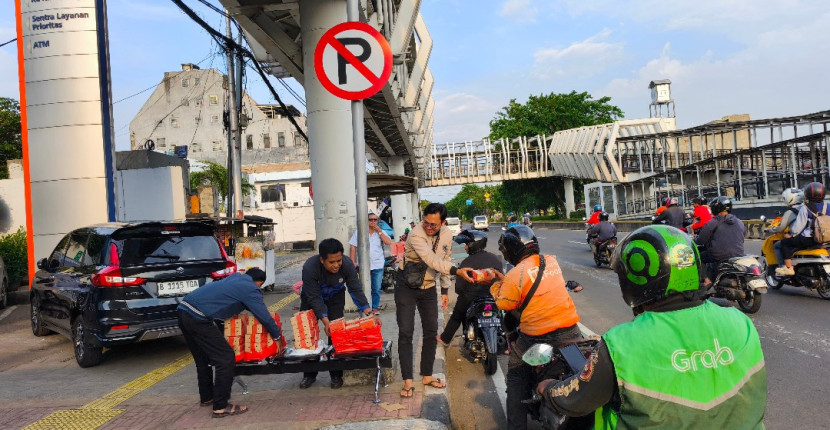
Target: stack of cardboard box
x=306, y=330
x=250, y=340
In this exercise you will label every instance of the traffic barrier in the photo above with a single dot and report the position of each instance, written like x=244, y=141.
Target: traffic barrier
x=754, y=227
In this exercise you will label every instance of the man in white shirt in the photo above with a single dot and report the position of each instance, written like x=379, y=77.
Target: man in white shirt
x=376, y=240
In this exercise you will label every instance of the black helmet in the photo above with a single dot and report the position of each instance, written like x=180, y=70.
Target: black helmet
x=654, y=262
x=517, y=243
x=603, y=216
x=699, y=200
x=814, y=192
x=474, y=239
x=720, y=204
x=512, y=218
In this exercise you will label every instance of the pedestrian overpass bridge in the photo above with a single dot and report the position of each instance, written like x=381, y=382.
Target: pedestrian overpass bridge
x=636, y=163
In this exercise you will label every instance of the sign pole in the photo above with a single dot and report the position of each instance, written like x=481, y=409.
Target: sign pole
x=362, y=214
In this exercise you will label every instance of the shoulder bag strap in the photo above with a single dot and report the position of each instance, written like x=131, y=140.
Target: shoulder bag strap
x=535, y=285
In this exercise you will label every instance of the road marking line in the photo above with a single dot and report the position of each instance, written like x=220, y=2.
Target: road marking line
x=501, y=387
x=100, y=411
x=7, y=312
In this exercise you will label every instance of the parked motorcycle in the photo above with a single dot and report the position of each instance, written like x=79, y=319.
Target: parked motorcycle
x=387, y=283
x=557, y=363
x=812, y=266
x=484, y=336
x=740, y=279
x=604, y=250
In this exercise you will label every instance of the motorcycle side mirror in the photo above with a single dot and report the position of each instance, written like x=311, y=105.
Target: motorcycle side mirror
x=653, y=217
x=763, y=218
x=584, y=219
x=538, y=354
x=504, y=229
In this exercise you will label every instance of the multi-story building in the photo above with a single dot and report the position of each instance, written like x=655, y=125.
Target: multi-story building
x=186, y=110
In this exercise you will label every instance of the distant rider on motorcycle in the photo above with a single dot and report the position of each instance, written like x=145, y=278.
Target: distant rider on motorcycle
x=549, y=317
x=673, y=215
x=681, y=363
x=603, y=231
x=802, y=229
x=594, y=220
x=723, y=237
x=474, y=243
x=701, y=213
x=794, y=198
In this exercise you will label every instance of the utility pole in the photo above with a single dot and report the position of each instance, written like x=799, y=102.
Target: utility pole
x=233, y=117
x=237, y=153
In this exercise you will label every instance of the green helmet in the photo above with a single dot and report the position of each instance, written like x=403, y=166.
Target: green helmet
x=655, y=262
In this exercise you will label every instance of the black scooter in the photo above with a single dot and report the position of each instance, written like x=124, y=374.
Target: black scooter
x=387, y=283
x=484, y=336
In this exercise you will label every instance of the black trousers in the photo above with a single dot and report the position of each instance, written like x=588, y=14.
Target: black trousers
x=520, y=377
x=710, y=264
x=459, y=313
x=407, y=300
x=335, y=305
x=209, y=348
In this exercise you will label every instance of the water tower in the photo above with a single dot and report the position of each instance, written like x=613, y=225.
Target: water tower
x=661, y=99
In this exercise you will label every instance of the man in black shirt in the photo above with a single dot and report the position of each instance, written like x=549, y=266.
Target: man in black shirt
x=673, y=215
x=325, y=279
x=474, y=243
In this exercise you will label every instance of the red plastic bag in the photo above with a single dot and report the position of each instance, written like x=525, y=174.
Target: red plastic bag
x=356, y=336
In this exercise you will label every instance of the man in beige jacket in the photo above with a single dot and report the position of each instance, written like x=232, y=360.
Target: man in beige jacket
x=429, y=242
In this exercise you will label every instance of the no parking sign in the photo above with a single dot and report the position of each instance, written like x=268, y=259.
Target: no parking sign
x=353, y=60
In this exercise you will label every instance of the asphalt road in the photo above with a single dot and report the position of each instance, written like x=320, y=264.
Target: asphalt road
x=793, y=325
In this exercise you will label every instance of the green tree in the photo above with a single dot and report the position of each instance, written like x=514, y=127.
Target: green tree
x=217, y=175
x=546, y=114
x=11, y=146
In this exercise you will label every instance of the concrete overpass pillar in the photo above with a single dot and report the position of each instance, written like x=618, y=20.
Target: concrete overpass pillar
x=415, y=207
x=569, y=196
x=329, y=120
x=401, y=210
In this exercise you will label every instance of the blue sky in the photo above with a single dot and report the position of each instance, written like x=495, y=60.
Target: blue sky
x=722, y=57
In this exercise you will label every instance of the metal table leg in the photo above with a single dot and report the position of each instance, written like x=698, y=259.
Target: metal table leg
x=377, y=381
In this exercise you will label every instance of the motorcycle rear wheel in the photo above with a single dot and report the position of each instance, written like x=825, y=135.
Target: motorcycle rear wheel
x=824, y=292
x=771, y=279
x=751, y=304
x=491, y=364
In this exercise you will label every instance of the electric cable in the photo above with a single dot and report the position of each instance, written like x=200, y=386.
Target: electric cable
x=230, y=44
x=6, y=43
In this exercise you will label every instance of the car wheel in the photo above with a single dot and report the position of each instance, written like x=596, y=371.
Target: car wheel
x=4, y=294
x=85, y=354
x=37, y=320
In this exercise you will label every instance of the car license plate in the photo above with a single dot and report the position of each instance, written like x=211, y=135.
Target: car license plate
x=174, y=288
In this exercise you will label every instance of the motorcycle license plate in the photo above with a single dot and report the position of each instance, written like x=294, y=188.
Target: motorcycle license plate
x=758, y=284
x=488, y=322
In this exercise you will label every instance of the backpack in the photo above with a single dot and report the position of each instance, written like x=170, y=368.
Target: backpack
x=821, y=225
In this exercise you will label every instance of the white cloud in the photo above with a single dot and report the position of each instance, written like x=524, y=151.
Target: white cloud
x=462, y=116
x=519, y=11
x=586, y=58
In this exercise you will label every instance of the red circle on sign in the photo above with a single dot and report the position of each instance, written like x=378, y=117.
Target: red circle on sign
x=376, y=81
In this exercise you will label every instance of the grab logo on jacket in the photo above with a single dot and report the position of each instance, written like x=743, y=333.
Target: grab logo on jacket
x=685, y=361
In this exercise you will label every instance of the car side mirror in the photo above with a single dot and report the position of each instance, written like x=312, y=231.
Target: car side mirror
x=43, y=264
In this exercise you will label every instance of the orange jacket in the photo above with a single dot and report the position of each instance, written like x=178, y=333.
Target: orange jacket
x=550, y=308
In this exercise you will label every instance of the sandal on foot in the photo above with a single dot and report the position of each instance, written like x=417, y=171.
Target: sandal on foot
x=436, y=383
x=230, y=410
x=407, y=392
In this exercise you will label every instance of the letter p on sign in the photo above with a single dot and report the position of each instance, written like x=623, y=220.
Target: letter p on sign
x=353, y=61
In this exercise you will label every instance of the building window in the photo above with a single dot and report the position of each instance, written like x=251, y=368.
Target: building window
x=197, y=81
x=185, y=102
x=184, y=82
x=214, y=119
x=298, y=140
x=217, y=146
x=281, y=139
x=305, y=184
x=198, y=101
x=214, y=99
x=266, y=141
x=196, y=147
x=161, y=142
x=249, y=141
x=174, y=122
x=272, y=193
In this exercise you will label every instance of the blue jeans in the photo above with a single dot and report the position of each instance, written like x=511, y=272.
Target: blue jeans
x=377, y=278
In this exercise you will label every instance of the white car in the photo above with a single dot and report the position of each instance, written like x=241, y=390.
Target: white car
x=480, y=223
x=454, y=225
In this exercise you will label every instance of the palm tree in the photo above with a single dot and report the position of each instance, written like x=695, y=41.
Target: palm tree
x=217, y=175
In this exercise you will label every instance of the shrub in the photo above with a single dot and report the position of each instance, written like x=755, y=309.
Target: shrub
x=577, y=215
x=13, y=251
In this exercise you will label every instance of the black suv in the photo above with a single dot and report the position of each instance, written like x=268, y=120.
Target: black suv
x=115, y=284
